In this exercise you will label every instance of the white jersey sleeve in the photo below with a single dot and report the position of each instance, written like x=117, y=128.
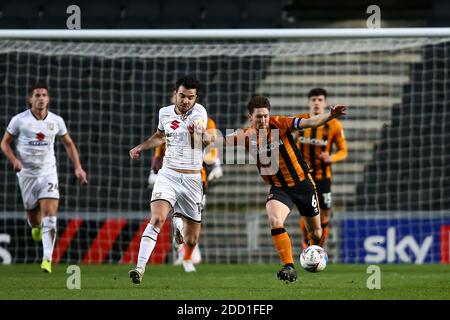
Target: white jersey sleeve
x=12, y=127
x=62, y=129
x=160, y=120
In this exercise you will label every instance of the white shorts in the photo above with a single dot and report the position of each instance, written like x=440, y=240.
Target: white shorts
x=183, y=191
x=34, y=189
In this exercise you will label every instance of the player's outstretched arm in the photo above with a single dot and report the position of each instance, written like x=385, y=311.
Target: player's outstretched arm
x=155, y=140
x=9, y=153
x=72, y=151
x=217, y=141
x=341, y=149
x=318, y=120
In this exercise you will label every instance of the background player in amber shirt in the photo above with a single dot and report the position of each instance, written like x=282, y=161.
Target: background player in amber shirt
x=316, y=146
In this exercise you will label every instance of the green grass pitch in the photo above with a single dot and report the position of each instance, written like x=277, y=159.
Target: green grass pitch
x=226, y=282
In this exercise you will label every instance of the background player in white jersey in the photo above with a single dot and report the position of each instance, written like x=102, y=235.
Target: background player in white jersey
x=34, y=132
x=178, y=186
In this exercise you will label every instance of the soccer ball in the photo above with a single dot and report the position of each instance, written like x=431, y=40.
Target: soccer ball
x=314, y=259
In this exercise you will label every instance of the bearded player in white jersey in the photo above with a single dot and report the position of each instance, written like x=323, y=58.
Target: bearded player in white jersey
x=34, y=132
x=178, y=187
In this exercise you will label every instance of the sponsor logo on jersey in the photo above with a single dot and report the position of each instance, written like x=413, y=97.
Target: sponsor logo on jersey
x=175, y=124
x=40, y=136
x=267, y=147
x=40, y=140
x=316, y=142
x=38, y=143
x=177, y=134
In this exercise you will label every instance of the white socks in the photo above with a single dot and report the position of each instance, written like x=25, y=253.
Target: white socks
x=178, y=224
x=48, y=236
x=148, y=242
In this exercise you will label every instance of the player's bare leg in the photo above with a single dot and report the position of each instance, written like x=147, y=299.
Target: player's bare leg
x=191, y=236
x=314, y=230
x=324, y=218
x=48, y=208
x=159, y=212
x=304, y=232
x=277, y=213
x=325, y=215
x=34, y=219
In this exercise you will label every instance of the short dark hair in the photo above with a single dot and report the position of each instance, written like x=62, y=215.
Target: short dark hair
x=317, y=92
x=39, y=85
x=258, y=102
x=188, y=82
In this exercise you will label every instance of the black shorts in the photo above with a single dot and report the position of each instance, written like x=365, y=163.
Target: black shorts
x=324, y=193
x=304, y=196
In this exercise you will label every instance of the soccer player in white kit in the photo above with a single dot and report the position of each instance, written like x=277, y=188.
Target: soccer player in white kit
x=34, y=162
x=178, y=186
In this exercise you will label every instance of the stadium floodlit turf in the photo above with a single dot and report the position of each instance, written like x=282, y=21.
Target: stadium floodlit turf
x=242, y=282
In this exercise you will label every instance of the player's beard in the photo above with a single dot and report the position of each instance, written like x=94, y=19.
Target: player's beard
x=184, y=109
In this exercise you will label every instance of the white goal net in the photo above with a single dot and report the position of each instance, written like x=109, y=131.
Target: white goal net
x=390, y=196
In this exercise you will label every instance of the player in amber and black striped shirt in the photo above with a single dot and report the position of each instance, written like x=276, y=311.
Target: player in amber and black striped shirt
x=316, y=146
x=269, y=140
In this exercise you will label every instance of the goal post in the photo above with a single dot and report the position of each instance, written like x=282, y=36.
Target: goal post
x=390, y=200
